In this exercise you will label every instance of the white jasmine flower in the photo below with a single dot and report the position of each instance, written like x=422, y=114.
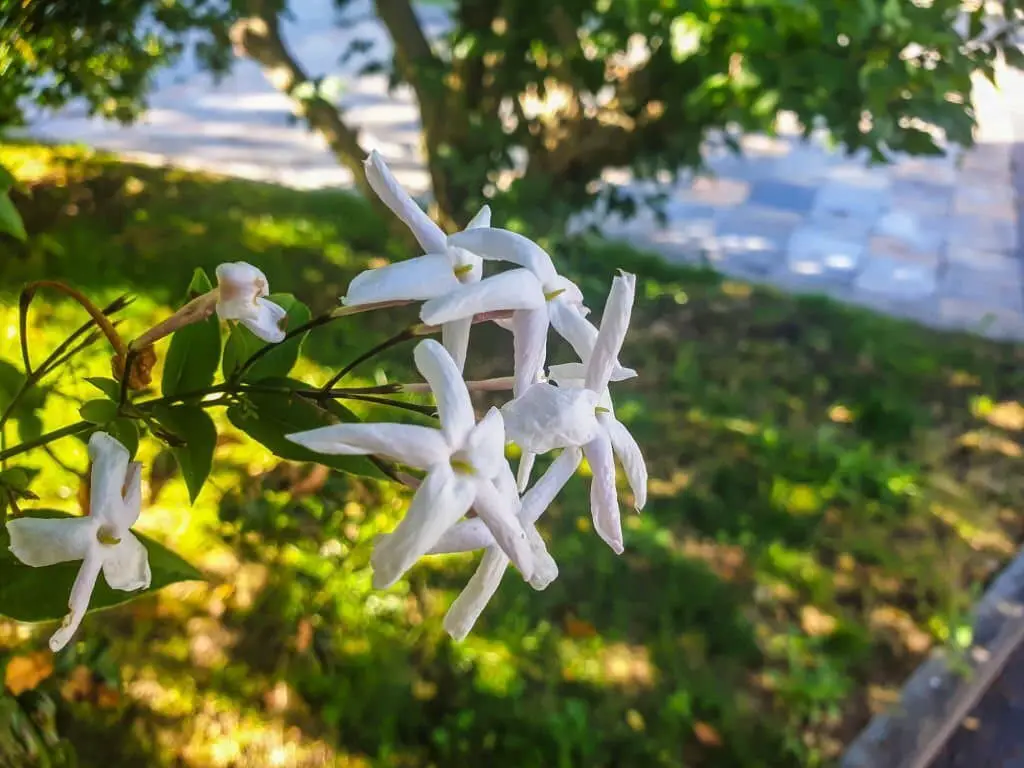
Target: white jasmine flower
x=441, y=269
x=472, y=534
x=463, y=460
x=102, y=540
x=241, y=296
x=579, y=412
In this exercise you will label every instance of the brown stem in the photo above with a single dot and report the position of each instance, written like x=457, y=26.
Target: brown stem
x=198, y=309
x=499, y=384
x=94, y=312
x=258, y=36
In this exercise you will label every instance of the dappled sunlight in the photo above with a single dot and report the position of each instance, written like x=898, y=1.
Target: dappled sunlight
x=619, y=665
x=817, y=519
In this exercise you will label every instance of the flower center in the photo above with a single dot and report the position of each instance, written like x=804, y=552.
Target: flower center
x=549, y=295
x=600, y=409
x=462, y=466
x=106, y=535
x=465, y=269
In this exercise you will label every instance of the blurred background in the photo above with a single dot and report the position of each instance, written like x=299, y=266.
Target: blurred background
x=822, y=204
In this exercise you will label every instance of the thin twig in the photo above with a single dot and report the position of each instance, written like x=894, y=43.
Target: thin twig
x=398, y=338
x=316, y=322
x=426, y=410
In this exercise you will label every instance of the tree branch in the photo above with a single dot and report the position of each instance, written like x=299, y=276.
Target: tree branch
x=258, y=36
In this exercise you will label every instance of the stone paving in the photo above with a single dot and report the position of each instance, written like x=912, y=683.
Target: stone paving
x=938, y=240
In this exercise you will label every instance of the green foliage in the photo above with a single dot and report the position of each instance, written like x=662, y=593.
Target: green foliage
x=10, y=220
x=41, y=594
x=194, y=352
x=278, y=362
x=643, y=83
x=268, y=417
x=829, y=492
x=25, y=412
x=103, y=53
x=99, y=411
x=198, y=435
x=109, y=387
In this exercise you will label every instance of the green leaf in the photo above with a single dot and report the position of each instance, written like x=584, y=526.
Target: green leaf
x=242, y=344
x=6, y=179
x=274, y=415
x=108, y=387
x=26, y=412
x=99, y=411
x=10, y=219
x=195, y=458
x=194, y=351
x=126, y=432
x=41, y=594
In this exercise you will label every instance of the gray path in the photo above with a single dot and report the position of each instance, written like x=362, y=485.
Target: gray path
x=933, y=239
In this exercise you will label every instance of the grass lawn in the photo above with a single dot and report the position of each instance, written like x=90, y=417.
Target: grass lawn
x=830, y=492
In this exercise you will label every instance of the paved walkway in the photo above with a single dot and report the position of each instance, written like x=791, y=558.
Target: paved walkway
x=938, y=240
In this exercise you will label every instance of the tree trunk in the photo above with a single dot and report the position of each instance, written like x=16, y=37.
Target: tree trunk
x=258, y=36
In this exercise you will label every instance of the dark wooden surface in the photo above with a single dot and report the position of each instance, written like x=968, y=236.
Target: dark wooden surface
x=993, y=735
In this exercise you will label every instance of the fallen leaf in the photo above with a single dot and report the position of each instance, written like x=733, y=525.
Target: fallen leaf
x=79, y=685
x=706, y=735
x=25, y=673
x=577, y=628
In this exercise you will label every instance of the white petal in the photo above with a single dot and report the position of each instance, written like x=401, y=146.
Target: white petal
x=569, y=293
x=546, y=417
x=464, y=536
x=41, y=541
x=498, y=511
x=572, y=326
x=240, y=285
x=241, y=278
x=530, y=341
x=570, y=323
x=515, y=289
x=107, y=481
x=503, y=245
x=536, y=500
x=482, y=218
x=430, y=236
x=568, y=374
x=505, y=482
x=410, y=444
x=411, y=280
x=485, y=446
x=126, y=565
x=545, y=569
x=78, y=602
x=524, y=470
x=454, y=408
x=439, y=502
x=266, y=321
x=133, y=492
x=477, y=593
x=604, y=504
x=455, y=337
x=628, y=453
x=614, y=324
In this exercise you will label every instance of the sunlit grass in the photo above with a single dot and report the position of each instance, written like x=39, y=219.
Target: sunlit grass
x=830, y=491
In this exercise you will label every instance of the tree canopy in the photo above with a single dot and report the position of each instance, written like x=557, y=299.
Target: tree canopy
x=535, y=102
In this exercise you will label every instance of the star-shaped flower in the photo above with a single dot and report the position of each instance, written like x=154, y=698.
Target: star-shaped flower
x=102, y=540
x=442, y=268
x=470, y=535
x=579, y=412
x=463, y=460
